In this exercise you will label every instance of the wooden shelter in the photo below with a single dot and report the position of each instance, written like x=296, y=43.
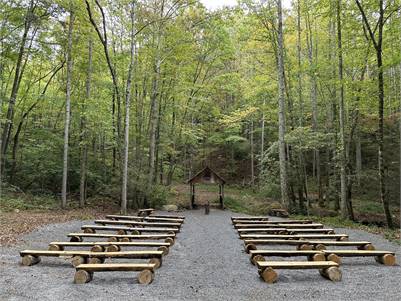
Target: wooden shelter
x=207, y=176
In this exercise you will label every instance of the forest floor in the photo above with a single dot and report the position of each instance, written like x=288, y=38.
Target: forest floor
x=207, y=262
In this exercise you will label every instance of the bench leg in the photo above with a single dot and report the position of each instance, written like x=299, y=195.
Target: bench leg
x=249, y=247
x=82, y=276
x=171, y=233
x=75, y=239
x=156, y=261
x=343, y=238
x=96, y=260
x=317, y=257
x=89, y=230
x=113, y=248
x=163, y=249
x=320, y=247
x=113, y=239
x=305, y=247
x=125, y=239
x=97, y=248
x=334, y=257
x=121, y=232
x=331, y=273
x=256, y=258
x=146, y=277
x=387, y=259
x=136, y=232
x=170, y=240
x=368, y=247
x=77, y=260
x=29, y=260
x=268, y=275
x=56, y=248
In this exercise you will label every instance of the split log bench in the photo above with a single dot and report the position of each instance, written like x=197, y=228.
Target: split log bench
x=339, y=237
x=147, y=218
x=263, y=230
x=124, y=230
x=167, y=216
x=383, y=257
x=294, y=221
x=278, y=212
x=84, y=272
x=250, y=244
x=136, y=223
x=32, y=257
x=288, y=226
x=106, y=246
x=283, y=230
x=312, y=255
x=145, y=212
x=328, y=269
x=78, y=237
x=249, y=218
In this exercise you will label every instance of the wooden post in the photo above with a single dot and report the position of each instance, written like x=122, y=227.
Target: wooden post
x=192, y=196
x=221, y=195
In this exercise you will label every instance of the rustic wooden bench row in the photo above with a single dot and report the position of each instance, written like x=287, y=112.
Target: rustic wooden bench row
x=328, y=269
x=124, y=230
x=283, y=230
x=383, y=257
x=279, y=225
x=251, y=244
x=79, y=236
x=84, y=272
x=341, y=237
x=145, y=212
x=263, y=221
x=147, y=218
x=137, y=223
x=105, y=246
x=32, y=257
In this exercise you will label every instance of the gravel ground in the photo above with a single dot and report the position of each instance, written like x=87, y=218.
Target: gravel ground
x=206, y=263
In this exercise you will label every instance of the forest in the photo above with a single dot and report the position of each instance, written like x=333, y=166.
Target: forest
x=124, y=100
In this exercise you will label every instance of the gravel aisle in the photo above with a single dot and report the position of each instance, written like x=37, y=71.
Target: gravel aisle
x=206, y=263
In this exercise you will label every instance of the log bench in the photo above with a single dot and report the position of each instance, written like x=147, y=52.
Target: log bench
x=136, y=223
x=167, y=216
x=382, y=257
x=78, y=237
x=287, y=226
x=294, y=221
x=312, y=255
x=297, y=231
x=106, y=246
x=328, y=269
x=145, y=212
x=340, y=237
x=124, y=230
x=250, y=244
x=147, y=218
x=84, y=272
x=263, y=230
x=249, y=218
x=32, y=257
x=278, y=212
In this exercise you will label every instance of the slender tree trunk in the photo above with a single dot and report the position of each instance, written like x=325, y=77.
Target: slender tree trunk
x=252, y=155
x=358, y=157
x=67, y=112
x=343, y=179
x=127, y=113
x=281, y=113
x=83, y=138
x=17, y=80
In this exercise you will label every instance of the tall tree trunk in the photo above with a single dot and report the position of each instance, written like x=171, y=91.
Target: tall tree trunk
x=343, y=176
x=127, y=113
x=17, y=80
x=83, y=138
x=252, y=155
x=281, y=113
x=67, y=111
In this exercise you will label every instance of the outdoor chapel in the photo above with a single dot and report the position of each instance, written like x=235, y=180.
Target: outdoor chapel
x=200, y=150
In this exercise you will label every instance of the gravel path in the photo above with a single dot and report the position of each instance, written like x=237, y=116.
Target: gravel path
x=206, y=263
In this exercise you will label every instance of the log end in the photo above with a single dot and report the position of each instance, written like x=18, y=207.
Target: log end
x=77, y=260
x=170, y=240
x=82, y=277
x=156, y=261
x=89, y=230
x=136, y=232
x=334, y=257
x=249, y=247
x=113, y=248
x=75, y=239
x=29, y=260
x=331, y=273
x=164, y=249
x=146, y=277
x=269, y=275
x=97, y=248
x=387, y=259
x=55, y=248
